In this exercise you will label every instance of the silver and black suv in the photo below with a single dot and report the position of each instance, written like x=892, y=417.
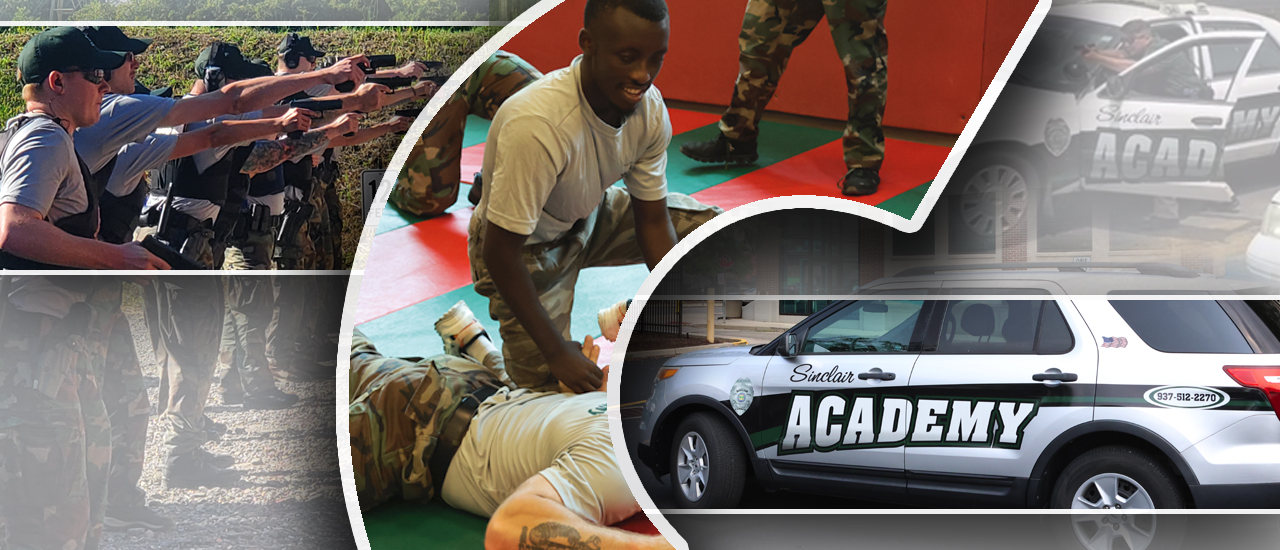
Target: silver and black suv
x=1063, y=403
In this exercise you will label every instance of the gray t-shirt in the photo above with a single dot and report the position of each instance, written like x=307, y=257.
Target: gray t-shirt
x=125, y=119
x=38, y=170
x=136, y=158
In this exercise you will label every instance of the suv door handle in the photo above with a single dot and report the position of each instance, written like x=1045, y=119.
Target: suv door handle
x=1206, y=121
x=877, y=376
x=1058, y=376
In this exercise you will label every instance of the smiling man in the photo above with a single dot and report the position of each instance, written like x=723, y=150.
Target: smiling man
x=549, y=206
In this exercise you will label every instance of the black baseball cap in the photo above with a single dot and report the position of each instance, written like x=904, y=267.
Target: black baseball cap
x=300, y=45
x=62, y=48
x=226, y=57
x=113, y=38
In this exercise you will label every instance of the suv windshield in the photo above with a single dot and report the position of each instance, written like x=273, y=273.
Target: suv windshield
x=1058, y=44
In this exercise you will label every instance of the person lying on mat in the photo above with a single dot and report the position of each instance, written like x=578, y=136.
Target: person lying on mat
x=539, y=464
x=549, y=207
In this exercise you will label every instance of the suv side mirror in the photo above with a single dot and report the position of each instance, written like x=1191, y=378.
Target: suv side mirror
x=790, y=345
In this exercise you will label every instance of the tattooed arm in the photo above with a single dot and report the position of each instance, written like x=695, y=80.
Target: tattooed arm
x=535, y=518
x=269, y=154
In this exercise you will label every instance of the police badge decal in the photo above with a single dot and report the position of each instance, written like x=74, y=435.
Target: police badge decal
x=741, y=395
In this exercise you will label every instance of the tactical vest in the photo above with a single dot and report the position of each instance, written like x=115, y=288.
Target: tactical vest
x=119, y=214
x=267, y=183
x=184, y=180
x=84, y=224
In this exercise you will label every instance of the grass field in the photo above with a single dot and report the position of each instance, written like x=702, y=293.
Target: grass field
x=170, y=61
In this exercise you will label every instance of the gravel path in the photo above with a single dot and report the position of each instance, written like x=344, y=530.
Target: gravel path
x=290, y=494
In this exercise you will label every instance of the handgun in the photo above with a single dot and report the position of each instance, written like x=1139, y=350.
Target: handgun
x=317, y=105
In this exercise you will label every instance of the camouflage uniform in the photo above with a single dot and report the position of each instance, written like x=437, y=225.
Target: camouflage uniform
x=55, y=433
x=318, y=227
x=251, y=251
x=124, y=391
x=430, y=179
x=607, y=237
x=186, y=335
x=397, y=409
x=249, y=304
x=772, y=28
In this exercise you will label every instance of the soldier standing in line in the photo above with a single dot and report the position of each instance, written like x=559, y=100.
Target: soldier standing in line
x=771, y=29
x=429, y=182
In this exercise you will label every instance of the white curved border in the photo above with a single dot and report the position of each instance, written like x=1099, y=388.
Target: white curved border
x=767, y=205
x=366, y=241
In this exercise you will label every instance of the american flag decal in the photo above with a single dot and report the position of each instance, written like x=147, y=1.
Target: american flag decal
x=1114, y=341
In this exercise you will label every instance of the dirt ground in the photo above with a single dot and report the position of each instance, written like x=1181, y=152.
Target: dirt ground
x=290, y=493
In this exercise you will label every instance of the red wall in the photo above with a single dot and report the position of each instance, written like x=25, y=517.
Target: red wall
x=942, y=55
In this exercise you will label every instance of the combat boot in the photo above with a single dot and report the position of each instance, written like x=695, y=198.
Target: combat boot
x=135, y=517
x=269, y=399
x=188, y=471
x=721, y=150
x=214, y=459
x=860, y=181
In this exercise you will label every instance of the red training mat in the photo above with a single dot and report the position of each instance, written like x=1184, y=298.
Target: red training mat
x=815, y=172
x=414, y=263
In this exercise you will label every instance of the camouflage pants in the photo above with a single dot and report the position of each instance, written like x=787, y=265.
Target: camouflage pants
x=606, y=238
x=318, y=228
x=124, y=391
x=771, y=29
x=251, y=252
x=393, y=405
x=429, y=182
x=55, y=434
x=334, y=203
x=187, y=331
x=288, y=324
x=249, y=303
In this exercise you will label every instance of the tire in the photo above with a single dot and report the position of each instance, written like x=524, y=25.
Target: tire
x=996, y=180
x=707, y=441
x=1125, y=478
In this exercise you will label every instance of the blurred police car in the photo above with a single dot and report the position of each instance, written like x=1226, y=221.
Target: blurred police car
x=1086, y=403
x=1064, y=124
x=1263, y=255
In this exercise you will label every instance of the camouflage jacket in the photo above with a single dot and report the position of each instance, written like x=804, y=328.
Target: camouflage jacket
x=398, y=407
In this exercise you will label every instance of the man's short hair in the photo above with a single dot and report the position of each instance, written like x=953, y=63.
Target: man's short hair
x=650, y=10
x=1132, y=28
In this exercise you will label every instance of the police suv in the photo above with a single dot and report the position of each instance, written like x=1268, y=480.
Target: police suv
x=1064, y=124
x=1085, y=403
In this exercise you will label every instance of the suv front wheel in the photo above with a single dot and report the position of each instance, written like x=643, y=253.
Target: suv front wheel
x=708, y=466
x=1117, y=477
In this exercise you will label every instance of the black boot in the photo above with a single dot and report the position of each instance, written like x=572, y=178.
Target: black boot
x=721, y=150
x=270, y=399
x=860, y=181
x=187, y=470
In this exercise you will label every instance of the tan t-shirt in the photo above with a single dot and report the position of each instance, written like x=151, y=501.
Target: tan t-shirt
x=548, y=158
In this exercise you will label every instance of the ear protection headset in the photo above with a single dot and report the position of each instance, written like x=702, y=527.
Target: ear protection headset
x=292, y=57
x=213, y=77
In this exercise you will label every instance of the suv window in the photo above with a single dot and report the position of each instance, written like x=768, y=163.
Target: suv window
x=1183, y=326
x=1004, y=327
x=1056, y=45
x=866, y=326
x=1227, y=57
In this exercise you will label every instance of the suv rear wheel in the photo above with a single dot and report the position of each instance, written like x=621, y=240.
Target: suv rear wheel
x=1117, y=477
x=708, y=466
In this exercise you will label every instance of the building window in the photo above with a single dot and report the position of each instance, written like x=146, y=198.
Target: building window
x=801, y=307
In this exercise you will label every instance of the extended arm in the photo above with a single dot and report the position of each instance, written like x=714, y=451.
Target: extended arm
x=654, y=232
x=229, y=132
x=24, y=233
x=504, y=257
x=534, y=517
x=364, y=135
x=1111, y=59
x=259, y=93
